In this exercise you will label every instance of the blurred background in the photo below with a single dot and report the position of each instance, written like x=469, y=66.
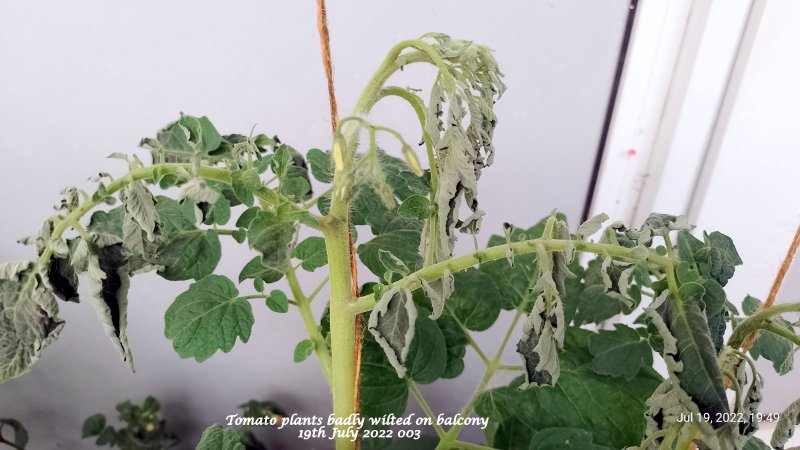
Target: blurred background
x=624, y=107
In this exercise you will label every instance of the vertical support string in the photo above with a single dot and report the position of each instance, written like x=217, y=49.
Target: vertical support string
x=325, y=47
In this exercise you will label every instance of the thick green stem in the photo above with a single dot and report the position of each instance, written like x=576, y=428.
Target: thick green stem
x=759, y=320
x=436, y=271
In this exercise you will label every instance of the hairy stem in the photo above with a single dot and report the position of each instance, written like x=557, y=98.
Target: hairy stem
x=458, y=264
x=304, y=306
x=760, y=320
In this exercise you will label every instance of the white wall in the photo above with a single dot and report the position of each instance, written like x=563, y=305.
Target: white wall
x=82, y=79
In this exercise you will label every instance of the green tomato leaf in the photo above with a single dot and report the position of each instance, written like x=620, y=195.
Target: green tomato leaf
x=619, y=352
x=321, y=166
x=202, y=133
x=189, y=255
x=455, y=344
x=701, y=377
x=611, y=409
x=312, y=253
x=244, y=184
x=256, y=270
x=403, y=244
x=382, y=392
x=216, y=437
x=559, y=438
x=770, y=346
x=208, y=317
x=475, y=302
x=416, y=207
x=174, y=216
x=303, y=350
x=110, y=222
x=93, y=425
x=392, y=323
x=274, y=238
x=278, y=302
x=427, y=356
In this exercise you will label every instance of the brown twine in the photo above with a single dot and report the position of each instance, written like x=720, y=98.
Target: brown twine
x=325, y=45
x=776, y=286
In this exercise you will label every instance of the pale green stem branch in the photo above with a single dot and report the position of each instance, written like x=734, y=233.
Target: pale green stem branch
x=303, y=305
x=759, y=320
x=423, y=404
x=436, y=271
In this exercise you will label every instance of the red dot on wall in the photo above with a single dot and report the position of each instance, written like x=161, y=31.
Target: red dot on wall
x=631, y=152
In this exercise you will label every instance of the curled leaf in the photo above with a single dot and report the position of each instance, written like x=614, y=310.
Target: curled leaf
x=392, y=323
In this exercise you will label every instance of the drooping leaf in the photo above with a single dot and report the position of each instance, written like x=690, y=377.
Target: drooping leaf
x=216, y=437
x=63, y=279
x=785, y=427
x=109, y=222
x=438, y=291
x=427, y=356
x=109, y=280
x=208, y=317
x=28, y=318
x=140, y=206
x=619, y=352
x=189, y=255
x=312, y=253
x=611, y=409
x=539, y=347
x=701, y=377
x=591, y=226
x=202, y=134
x=274, y=238
x=392, y=322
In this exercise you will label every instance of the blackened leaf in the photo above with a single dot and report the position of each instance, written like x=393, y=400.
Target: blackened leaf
x=303, y=350
x=28, y=318
x=770, y=346
x=189, y=255
x=475, y=302
x=321, y=166
x=274, y=238
x=392, y=322
x=217, y=437
x=427, y=357
x=312, y=253
x=612, y=409
x=701, y=377
x=402, y=244
x=208, y=317
x=109, y=281
x=619, y=352
x=63, y=279
x=539, y=347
